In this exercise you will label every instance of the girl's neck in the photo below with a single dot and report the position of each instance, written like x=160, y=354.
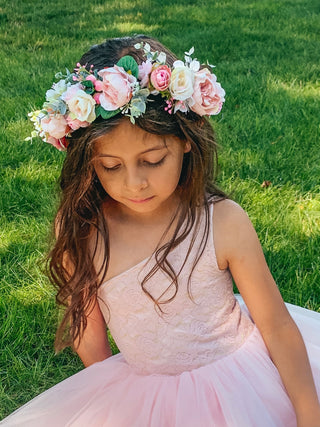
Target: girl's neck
x=134, y=237
x=117, y=212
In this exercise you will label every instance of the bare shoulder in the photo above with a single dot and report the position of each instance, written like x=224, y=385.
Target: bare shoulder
x=231, y=228
x=226, y=211
x=238, y=249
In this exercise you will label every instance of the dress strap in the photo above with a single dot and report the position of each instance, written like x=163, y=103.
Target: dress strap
x=210, y=243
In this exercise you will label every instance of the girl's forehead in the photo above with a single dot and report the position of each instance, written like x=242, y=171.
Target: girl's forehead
x=126, y=137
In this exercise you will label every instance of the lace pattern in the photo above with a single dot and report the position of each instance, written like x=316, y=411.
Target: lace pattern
x=191, y=332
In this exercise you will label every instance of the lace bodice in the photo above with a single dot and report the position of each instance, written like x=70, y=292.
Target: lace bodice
x=191, y=332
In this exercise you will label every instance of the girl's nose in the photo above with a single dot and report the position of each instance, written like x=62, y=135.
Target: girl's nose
x=135, y=180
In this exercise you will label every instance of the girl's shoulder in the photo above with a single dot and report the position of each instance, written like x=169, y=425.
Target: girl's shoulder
x=231, y=229
x=228, y=214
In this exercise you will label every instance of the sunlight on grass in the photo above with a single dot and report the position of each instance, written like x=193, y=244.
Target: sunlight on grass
x=115, y=5
x=296, y=89
x=36, y=171
x=33, y=293
x=129, y=27
x=309, y=214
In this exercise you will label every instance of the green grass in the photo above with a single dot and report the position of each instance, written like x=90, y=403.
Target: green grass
x=266, y=54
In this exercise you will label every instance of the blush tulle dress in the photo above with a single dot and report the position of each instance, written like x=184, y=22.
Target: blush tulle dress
x=201, y=363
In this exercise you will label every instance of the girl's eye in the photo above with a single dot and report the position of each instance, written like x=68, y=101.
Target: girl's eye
x=112, y=169
x=146, y=163
x=154, y=165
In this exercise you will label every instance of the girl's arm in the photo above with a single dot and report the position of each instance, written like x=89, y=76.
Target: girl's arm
x=94, y=345
x=238, y=248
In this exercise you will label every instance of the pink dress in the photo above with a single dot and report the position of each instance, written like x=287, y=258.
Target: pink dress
x=201, y=363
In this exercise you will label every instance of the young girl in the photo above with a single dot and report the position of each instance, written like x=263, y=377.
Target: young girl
x=148, y=246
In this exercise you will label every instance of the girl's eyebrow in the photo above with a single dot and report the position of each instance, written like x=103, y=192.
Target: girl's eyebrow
x=158, y=147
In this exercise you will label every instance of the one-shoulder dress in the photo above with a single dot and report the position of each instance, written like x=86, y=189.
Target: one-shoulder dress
x=200, y=363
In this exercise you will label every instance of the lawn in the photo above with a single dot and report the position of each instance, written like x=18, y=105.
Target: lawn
x=267, y=58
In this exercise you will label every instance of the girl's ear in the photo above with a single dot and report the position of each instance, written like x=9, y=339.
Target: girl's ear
x=187, y=147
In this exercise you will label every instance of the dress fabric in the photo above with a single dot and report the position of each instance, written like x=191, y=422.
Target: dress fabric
x=199, y=363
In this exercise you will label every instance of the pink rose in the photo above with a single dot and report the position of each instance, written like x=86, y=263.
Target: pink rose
x=76, y=124
x=117, y=89
x=60, y=144
x=144, y=72
x=55, y=126
x=160, y=77
x=208, y=94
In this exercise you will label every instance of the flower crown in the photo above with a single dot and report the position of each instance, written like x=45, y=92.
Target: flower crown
x=78, y=98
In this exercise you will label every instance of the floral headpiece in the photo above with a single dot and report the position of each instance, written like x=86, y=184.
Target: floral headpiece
x=78, y=98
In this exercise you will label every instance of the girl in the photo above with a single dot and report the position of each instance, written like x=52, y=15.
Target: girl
x=146, y=244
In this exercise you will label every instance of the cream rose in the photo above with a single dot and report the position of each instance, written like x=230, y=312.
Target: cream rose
x=81, y=104
x=181, y=84
x=208, y=94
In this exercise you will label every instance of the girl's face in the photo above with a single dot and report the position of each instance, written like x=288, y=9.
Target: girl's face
x=138, y=169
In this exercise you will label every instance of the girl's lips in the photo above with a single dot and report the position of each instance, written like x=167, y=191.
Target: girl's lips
x=141, y=200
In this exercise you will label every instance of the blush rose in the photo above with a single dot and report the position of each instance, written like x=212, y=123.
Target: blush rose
x=208, y=94
x=55, y=126
x=116, y=89
x=76, y=124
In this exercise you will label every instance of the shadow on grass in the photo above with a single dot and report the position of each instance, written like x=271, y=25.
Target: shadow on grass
x=302, y=286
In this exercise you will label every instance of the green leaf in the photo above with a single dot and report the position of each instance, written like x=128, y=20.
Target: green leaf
x=106, y=114
x=98, y=110
x=88, y=84
x=129, y=65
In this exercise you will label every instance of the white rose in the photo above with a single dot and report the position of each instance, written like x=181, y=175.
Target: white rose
x=181, y=84
x=57, y=90
x=81, y=106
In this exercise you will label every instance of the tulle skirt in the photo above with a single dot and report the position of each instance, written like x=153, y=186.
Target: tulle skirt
x=243, y=389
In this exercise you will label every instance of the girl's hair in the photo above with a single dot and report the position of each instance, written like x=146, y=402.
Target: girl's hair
x=80, y=220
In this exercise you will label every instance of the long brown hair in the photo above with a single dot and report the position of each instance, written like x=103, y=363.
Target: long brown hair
x=80, y=219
